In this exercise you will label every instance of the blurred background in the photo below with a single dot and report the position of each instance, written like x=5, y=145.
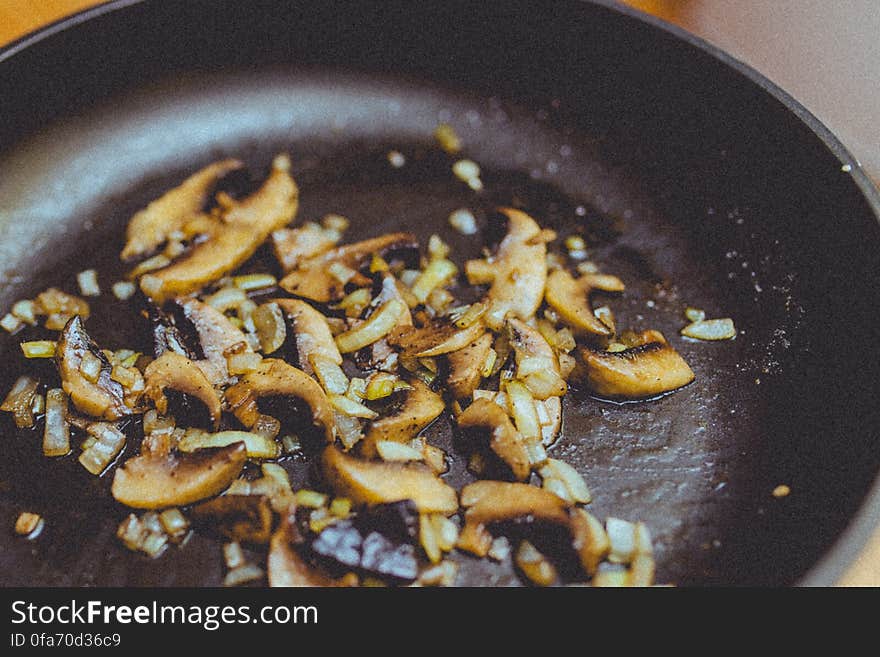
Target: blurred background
x=825, y=53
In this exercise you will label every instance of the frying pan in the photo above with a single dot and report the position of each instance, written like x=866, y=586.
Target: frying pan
x=695, y=179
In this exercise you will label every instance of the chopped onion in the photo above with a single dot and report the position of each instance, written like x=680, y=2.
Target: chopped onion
x=340, y=507
x=107, y=446
x=463, y=221
x=622, y=535
x=20, y=401
x=39, y=349
x=695, y=314
x=500, y=549
x=348, y=406
x=88, y=283
x=390, y=450
x=441, y=574
x=233, y=555
x=266, y=426
x=348, y=429
x=437, y=273
x=56, y=436
x=522, y=408
x=470, y=315
x=447, y=138
x=243, y=363
x=335, y=222
x=174, y=523
x=341, y=272
x=258, y=446
x=124, y=290
x=254, y=281
x=148, y=265
x=226, y=298
x=587, y=268
x=534, y=565
x=271, y=328
x=25, y=310
x=710, y=329
x=330, y=375
x=611, y=578
x=11, y=323
x=243, y=574
x=311, y=499
x=380, y=385
x=641, y=571
x=376, y=327
x=468, y=172
x=396, y=159
x=29, y=525
x=573, y=487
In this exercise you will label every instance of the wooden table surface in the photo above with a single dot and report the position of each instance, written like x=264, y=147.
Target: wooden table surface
x=18, y=17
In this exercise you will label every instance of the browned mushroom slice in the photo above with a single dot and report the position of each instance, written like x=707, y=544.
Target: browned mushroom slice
x=649, y=368
x=313, y=336
x=157, y=481
x=504, y=440
x=570, y=298
x=517, y=271
x=231, y=239
x=435, y=339
x=466, y=366
x=275, y=378
x=490, y=502
x=150, y=228
x=216, y=335
x=85, y=374
x=314, y=279
x=536, y=362
x=179, y=373
x=287, y=568
x=293, y=245
x=378, y=482
x=246, y=518
x=419, y=407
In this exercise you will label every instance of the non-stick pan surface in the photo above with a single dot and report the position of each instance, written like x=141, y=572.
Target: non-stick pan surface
x=698, y=182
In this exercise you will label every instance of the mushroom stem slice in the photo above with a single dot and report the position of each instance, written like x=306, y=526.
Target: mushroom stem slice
x=420, y=406
x=104, y=398
x=570, y=298
x=504, y=440
x=158, y=481
x=150, y=228
x=275, y=378
x=171, y=370
x=651, y=367
x=378, y=482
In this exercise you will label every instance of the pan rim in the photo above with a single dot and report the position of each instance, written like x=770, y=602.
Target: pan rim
x=851, y=542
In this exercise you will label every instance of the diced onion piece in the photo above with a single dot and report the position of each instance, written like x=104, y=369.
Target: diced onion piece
x=710, y=329
x=124, y=290
x=471, y=315
x=606, y=316
x=445, y=530
x=330, y=374
x=20, y=401
x=437, y=273
x=575, y=243
x=622, y=535
x=466, y=170
x=56, y=436
x=348, y=429
x=545, y=383
x=447, y=138
x=587, y=268
x=390, y=450
x=500, y=549
x=573, y=485
x=564, y=340
x=88, y=283
x=428, y=538
x=643, y=539
x=439, y=300
x=378, y=264
x=357, y=389
x=341, y=272
x=11, y=323
x=38, y=405
x=310, y=498
x=270, y=326
x=522, y=408
x=29, y=524
x=396, y=159
x=110, y=441
x=39, y=349
x=356, y=301
x=348, y=406
x=376, y=327
x=254, y=281
x=174, y=523
x=534, y=565
x=258, y=446
x=226, y=298
x=641, y=571
x=380, y=385
x=463, y=221
x=437, y=248
x=611, y=578
x=340, y=507
x=233, y=555
x=243, y=363
x=695, y=314
x=266, y=426
x=408, y=276
x=243, y=574
x=335, y=222
x=90, y=366
x=148, y=265
x=25, y=310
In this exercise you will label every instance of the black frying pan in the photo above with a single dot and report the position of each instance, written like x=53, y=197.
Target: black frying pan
x=701, y=183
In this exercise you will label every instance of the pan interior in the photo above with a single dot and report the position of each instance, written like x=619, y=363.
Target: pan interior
x=697, y=466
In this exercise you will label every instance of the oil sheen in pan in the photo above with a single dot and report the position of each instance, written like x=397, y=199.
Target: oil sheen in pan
x=669, y=462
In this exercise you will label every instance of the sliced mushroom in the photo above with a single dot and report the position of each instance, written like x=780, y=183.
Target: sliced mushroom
x=294, y=245
x=517, y=271
x=376, y=482
x=179, y=373
x=245, y=518
x=649, y=368
x=312, y=333
x=287, y=568
x=536, y=362
x=104, y=398
x=570, y=298
x=419, y=407
x=275, y=378
x=150, y=228
x=216, y=336
x=314, y=280
x=231, y=239
x=435, y=339
x=503, y=438
x=466, y=366
x=157, y=481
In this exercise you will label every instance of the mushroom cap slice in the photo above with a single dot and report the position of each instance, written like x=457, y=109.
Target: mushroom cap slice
x=171, y=370
x=246, y=518
x=216, y=335
x=231, y=239
x=504, y=440
x=420, y=406
x=313, y=280
x=148, y=229
x=570, y=298
x=518, y=270
x=293, y=245
x=377, y=482
x=275, y=378
x=313, y=336
x=435, y=339
x=102, y=399
x=157, y=481
x=650, y=368
x=466, y=366
x=489, y=502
